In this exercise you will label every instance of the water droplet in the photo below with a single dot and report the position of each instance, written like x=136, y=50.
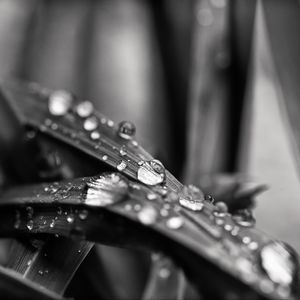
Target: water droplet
x=164, y=212
x=103, y=120
x=59, y=102
x=106, y=189
x=121, y=166
x=18, y=220
x=279, y=262
x=83, y=214
x=95, y=135
x=29, y=225
x=253, y=246
x=174, y=222
x=152, y=196
x=137, y=207
x=70, y=218
x=30, y=211
x=59, y=211
x=244, y=217
x=84, y=109
x=228, y=227
x=90, y=123
x=128, y=207
x=209, y=198
x=147, y=215
x=134, y=143
x=41, y=272
x=194, y=205
x=164, y=273
x=123, y=151
x=110, y=123
x=29, y=262
x=246, y=240
x=126, y=130
x=104, y=157
x=151, y=173
x=221, y=209
x=52, y=224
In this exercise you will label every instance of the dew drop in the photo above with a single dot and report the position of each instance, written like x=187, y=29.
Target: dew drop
x=164, y=273
x=221, y=209
x=147, y=215
x=83, y=214
x=105, y=190
x=151, y=196
x=110, y=123
x=95, y=135
x=123, y=151
x=279, y=262
x=126, y=130
x=244, y=217
x=29, y=225
x=52, y=224
x=174, y=222
x=59, y=102
x=105, y=157
x=90, y=123
x=84, y=109
x=121, y=166
x=194, y=205
x=41, y=272
x=151, y=173
x=70, y=218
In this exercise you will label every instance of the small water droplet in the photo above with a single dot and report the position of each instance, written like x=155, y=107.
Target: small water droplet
x=228, y=227
x=59, y=210
x=59, y=102
x=103, y=120
x=194, y=205
x=29, y=262
x=253, y=246
x=151, y=196
x=246, y=240
x=164, y=212
x=147, y=215
x=151, y=173
x=126, y=130
x=105, y=157
x=110, y=123
x=83, y=214
x=54, y=126
x=29, y=211
x=52, y=224
x=95, y=135
x=137, y=207
x=29, y=225
x=90, y=123
x=84, y=109
x=174, y=222
x=41, y=272
x=128, y=207
x=123, y=151
x=164, y=273
x=70, y=218
x=221, y=209
x=121, y=166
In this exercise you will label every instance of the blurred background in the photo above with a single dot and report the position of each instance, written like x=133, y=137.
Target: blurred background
x=212, y=85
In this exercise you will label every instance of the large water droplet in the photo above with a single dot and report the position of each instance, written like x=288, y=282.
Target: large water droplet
x=59, y=102
x=90, y=123
x=106, y=190
x=126, y=130
x=151, y=173
x=84, y=109
x=279, y=262
x=147, y=215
